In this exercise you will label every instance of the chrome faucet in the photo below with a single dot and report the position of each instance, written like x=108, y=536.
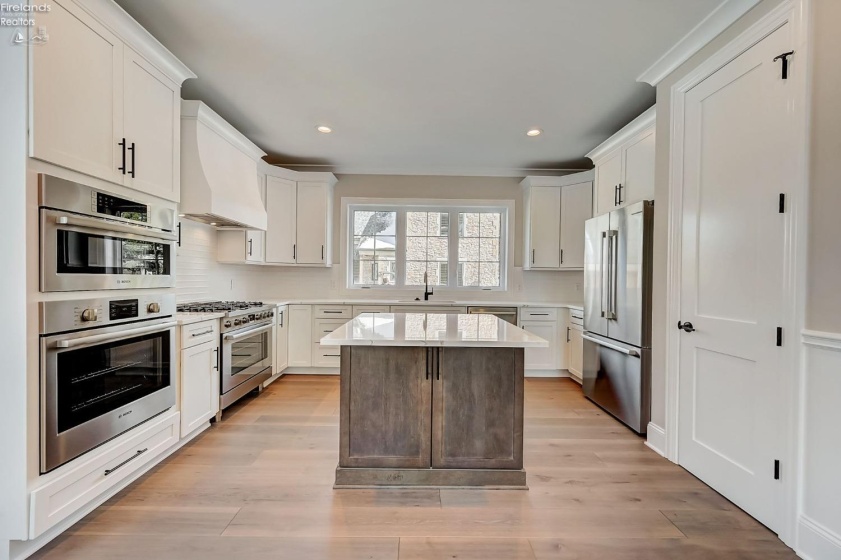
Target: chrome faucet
x=426, y=291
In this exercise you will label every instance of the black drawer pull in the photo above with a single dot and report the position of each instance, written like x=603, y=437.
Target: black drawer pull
x=132, y=458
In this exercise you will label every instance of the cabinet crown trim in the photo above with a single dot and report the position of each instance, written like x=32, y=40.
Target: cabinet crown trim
x=627, y=132
x=198, y=110
x=558, y=181
x=137, y=37
x=301, y=176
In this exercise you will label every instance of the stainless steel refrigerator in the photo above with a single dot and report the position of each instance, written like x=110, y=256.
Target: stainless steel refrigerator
x=617, y=313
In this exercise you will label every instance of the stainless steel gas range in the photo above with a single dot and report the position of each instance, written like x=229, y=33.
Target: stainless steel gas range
x=245, y=348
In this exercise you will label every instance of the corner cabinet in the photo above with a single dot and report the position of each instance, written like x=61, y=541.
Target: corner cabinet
x=625, y=165
x=103, y=107
x=555, y=209
x=300, y=211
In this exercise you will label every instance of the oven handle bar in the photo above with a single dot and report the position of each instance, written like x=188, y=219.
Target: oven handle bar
x=114, y=226
x=252, y=332
x=74, y=342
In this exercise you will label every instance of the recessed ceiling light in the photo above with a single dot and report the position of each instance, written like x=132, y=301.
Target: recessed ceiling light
x=324, y=129
x=213, y=223
x=533, y=132
x=181, y=215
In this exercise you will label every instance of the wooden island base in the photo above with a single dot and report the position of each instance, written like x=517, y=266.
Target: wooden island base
x=418, y=478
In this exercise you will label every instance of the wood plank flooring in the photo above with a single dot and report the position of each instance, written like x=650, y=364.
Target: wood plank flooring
x=259, y=486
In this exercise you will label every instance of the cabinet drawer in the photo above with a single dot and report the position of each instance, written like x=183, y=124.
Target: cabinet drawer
x=325, y=356
x=100, y=470
x=199, y=333
x=323, y=327
x=359, y=309
x=538, y=314
x=576, y=317
x=331, y=311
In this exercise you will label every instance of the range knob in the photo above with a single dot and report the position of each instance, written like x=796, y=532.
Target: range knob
x=244, y=320
x=237, y=322
x=227, y=323
x=270, y=313
x=89, y=314
x=153, y=307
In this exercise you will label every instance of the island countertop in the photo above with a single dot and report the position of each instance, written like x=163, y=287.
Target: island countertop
x=431, y=329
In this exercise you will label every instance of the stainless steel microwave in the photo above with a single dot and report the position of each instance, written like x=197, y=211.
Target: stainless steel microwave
x=95, y=240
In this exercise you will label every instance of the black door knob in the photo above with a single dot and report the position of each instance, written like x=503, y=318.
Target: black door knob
x=687, y=326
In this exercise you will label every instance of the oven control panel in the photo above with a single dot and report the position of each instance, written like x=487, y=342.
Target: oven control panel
x=69, y=315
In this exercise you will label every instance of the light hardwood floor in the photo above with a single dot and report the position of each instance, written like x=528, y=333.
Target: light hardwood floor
x=258, y=486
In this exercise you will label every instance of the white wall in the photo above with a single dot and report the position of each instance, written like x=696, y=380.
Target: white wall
x=13, y=432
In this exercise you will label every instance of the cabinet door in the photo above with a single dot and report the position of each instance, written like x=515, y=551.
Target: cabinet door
x=477, y=412
x=152, y=128
x=281, y=207
x=639, y=170
x=300, y=335
x=385, y=407
x=544, y=227
x=77, y=94
x=281, y=361
x=312, y=223
x=608, y=177
x=576, y=352
x=254, y=245
x=576, y=208
x=199, y=385
x=542, y=358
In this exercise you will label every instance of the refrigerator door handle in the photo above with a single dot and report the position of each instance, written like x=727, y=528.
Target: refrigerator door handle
x=605, y=258
x=632, y=353
x=610, y=271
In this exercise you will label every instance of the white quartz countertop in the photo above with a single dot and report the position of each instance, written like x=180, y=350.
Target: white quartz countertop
x=430, y=303
x=190, y=318
x=431, y=329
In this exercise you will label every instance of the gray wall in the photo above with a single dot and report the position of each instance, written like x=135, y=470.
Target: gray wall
x=661, y=195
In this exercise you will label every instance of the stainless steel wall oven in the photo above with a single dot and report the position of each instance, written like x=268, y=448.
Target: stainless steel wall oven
x=107, y=365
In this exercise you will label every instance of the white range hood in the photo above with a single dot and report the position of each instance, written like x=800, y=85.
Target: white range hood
x=219, y=181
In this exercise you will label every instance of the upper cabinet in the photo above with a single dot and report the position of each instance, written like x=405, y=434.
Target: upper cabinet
x=555, y=209
x=106, y=99
x=300, y=211
x=625, y=165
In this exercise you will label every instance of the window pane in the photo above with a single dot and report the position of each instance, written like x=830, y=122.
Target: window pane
x=468, y=274
x=488, y=275
x=438, y=249
x=489, y=224
x=416, y=223
x=468, y=249
x=414, y=273
x=416, y=248
x=469, y=224
x=368, y=223
x=489, y=249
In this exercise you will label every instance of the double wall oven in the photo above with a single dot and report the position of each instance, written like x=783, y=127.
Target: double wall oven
x=107, y=365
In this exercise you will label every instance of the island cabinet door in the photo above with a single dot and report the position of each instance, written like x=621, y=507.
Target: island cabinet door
x=477, y=409
x=386, y=397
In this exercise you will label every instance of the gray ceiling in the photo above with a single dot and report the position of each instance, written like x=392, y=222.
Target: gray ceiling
x=425, y=85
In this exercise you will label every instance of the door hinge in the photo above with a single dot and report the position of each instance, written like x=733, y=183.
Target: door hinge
x=782, y=203
x=779, y=336
x=784, y=58
x=776, y=469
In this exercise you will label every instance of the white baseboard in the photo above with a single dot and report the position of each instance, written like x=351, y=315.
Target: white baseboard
x=311, y=371
x=547, y=373
x=816, y=542
x=656, y=439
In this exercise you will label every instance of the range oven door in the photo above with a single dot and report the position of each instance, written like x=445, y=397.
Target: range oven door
x=96, y=386
x=83, y=253
x=245, y=354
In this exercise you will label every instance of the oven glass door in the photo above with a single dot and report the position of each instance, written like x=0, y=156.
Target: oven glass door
x=245, y=355
x=94, y=381
x=88, y=253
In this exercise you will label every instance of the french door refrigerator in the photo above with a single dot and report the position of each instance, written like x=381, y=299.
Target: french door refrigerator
x=617, y=313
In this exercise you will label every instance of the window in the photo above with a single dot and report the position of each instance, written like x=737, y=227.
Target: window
x=396, y=245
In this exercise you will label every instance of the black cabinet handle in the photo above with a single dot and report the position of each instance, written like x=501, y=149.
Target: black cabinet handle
x=294, y=255
x=132, y=458
x=122, y=144
x=250, y=246
x=562, y=256
x=322, y=252
x=216, y=361
x=179, y=234
x=532, y=256
x=567, y=334
x=132, y=150
x=281, y=318
x=620, y=193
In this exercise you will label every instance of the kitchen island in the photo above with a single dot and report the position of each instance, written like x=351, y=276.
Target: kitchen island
x=431, y=399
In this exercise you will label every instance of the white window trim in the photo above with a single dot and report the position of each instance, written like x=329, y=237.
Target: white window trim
x=506, y=207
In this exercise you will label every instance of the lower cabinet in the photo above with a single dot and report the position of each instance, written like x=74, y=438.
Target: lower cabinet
x=415, y=407
x=576, y=352
x=281, y=349
x=542, y=358
x=199, y=394
x=300, y=336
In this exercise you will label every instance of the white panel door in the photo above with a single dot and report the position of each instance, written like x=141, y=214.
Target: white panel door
x=281, y=208
x=545, y=227
x=254, y=239
x=312, y=223
x=576, y=208
x=738, y=145
x=77, y=94
x=542, y=358
x=608, y=177
x=152, y=128
x=639, y=170
x=300, y=335
x=199, y=385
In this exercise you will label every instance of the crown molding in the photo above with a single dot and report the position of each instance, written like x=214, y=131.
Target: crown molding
x=627, y=132
x=298, y=176
x=558, y=180
x=430, y=171
x=119, y=22
x=710, y=27
x=198, y=110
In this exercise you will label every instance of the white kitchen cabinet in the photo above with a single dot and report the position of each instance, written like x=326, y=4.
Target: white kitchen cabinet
x=576, y=208
x=100, y=107
x=625, y=165
x=239, y=246
x=300, y=336
x=281, y=231
x=199, y=385
x=575, y=363
x=542, y=358
x=315, y=216
x=555, y=209
x=281, y=353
